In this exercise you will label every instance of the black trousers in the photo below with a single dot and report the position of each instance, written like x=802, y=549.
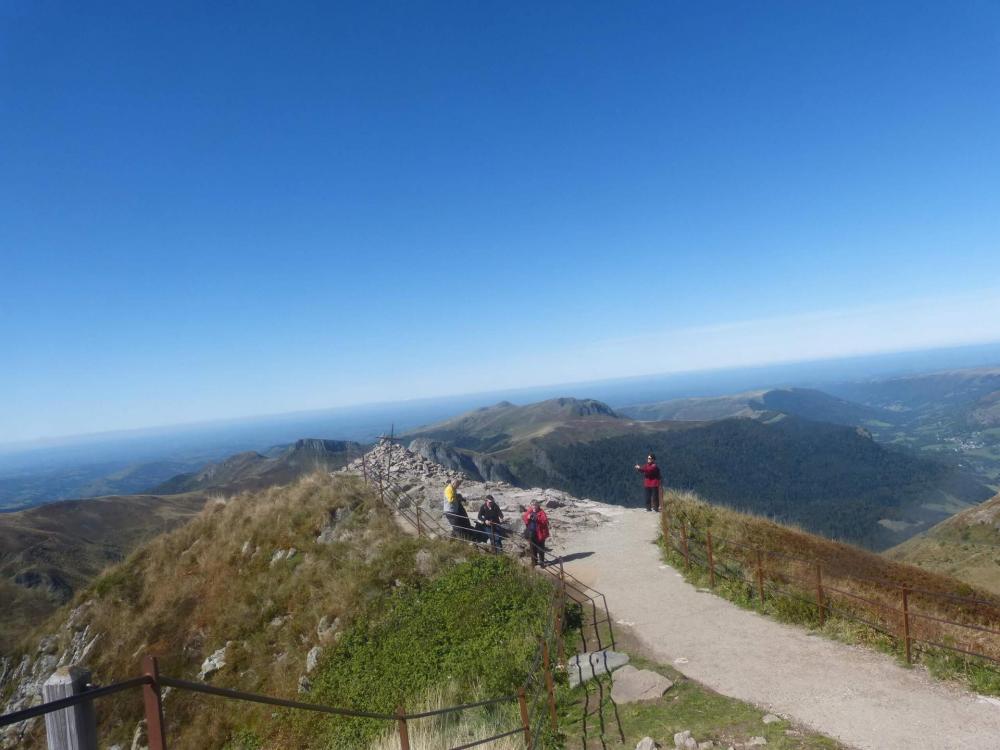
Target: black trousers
x=652, y=498
x=537, y=552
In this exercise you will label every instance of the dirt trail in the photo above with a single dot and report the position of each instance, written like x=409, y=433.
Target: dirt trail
x=858, y=696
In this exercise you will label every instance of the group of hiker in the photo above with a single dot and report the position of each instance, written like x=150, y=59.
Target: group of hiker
x=490, y=519
x=489, y=522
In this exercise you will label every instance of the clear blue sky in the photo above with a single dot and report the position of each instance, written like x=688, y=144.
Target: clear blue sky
x=220, y=209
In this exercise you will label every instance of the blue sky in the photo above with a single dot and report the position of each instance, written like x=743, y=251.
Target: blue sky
x=214, y=210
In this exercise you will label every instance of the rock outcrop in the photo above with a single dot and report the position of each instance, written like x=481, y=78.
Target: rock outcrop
x=421, y=481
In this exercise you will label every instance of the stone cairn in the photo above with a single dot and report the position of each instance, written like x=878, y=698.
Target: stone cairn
x=424, y=480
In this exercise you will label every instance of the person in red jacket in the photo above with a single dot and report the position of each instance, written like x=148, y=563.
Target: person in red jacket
x=536, y=531
x=651, y=482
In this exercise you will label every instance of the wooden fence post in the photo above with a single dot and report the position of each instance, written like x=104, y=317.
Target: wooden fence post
x=906, y=624
x=417, y=509
x=73, y=728
x=522, y=703
x=760, y=577
x=549, y=686
x=404, y=731
x=711, y=558
x=153, y=702
x=684, y=544
x=819, y=594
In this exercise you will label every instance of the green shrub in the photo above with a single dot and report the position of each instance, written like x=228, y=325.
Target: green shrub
x=475, y=627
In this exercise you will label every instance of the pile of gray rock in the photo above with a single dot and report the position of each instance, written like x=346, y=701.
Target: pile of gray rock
x=422, y=480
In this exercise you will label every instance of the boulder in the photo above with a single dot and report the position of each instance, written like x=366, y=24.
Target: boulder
x=589, y=664
x=770, y=718
x=213, y=663
x=681, y=738
x=312, y=658
x=646, y=743
x=630, y=685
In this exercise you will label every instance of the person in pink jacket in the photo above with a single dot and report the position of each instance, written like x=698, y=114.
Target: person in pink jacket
x=536, y=531
x=652, y=480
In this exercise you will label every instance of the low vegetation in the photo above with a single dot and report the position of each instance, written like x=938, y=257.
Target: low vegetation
x=267, y=577
x=862, y=592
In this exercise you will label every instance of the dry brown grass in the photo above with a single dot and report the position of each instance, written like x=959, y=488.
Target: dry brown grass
x=856, y=584
x=187, y=593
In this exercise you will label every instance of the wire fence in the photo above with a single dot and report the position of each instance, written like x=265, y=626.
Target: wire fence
x=916, y=619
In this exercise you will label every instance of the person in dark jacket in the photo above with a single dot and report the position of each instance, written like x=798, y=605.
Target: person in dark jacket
x=651, y=482
x=490, y=518
x=536, y=524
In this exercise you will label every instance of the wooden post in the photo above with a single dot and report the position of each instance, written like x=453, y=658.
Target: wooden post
x=152, y=699
x=522, y=703
x=404, y=731
x=560, y=649
x=711, y=558
x=906, y=624
x=549, y=686
x=760, y=577
x=819, y=594
x=417, y=509
x=73, y=728
x=684, y=544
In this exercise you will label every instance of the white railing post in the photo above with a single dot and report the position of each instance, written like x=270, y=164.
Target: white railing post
x=73, y=728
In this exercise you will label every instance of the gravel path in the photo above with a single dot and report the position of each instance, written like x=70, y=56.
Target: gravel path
x=858, y=696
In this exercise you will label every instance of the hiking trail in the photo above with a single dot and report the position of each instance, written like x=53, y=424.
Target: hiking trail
x=856, y=695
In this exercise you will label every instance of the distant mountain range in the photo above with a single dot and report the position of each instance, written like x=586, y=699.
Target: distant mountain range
x=251, y=470
x=831, y=478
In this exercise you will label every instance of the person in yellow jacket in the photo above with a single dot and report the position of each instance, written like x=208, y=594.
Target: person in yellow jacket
x=454, y=510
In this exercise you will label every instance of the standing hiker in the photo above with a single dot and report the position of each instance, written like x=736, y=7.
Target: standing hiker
x=454, y=510
x=490, y=517
x=651, y=482
x=536, y=531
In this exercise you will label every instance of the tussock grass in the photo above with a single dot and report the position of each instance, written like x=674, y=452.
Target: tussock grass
x=857, y=585
x=453, y=730
x=214, y=581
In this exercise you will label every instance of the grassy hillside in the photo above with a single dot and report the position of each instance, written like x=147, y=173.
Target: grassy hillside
x=860, y=588
x=273, y=575
x=49, y=552
x=966, y=546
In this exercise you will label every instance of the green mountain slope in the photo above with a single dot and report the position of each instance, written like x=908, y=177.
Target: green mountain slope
x=832, y=479
x=966, y=546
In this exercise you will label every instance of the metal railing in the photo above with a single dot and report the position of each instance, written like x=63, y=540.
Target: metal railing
x=895, y=610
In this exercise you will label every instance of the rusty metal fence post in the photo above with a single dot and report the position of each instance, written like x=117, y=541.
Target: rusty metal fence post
x=522, y=703
x=906, y=624
x=819, y=594
x=549, y=686
x=416, y=508
x=711, y=558
x=404, y=731
x=760, y=576
x=152, y=699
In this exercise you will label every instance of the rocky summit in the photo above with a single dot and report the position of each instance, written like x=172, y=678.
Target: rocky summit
x=422, y=481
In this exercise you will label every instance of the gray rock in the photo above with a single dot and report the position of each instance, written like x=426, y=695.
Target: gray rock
x=706, y=745
x=214, y=663
x=630, y=685
x=682, y=737
x=770, y=718
x=755, y=741
x=646, y=743
x=590, y=664
x=312, y=658
x=424, y=562
x=305, y=684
